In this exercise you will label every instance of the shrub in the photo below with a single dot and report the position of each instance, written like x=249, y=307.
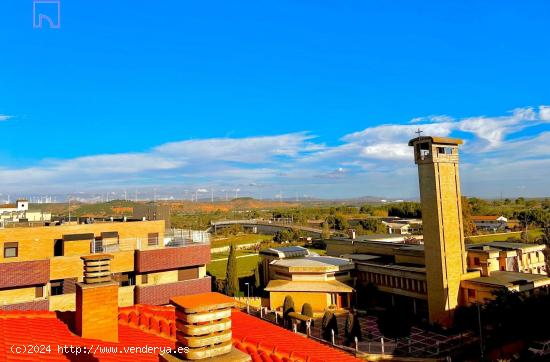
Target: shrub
x=307, y=311
x=288, y=307
x=353, y=328
x=329, y=323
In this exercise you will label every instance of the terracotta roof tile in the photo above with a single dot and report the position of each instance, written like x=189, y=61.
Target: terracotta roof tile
x=153, y=326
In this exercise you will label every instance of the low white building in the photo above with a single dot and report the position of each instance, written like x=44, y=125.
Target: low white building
x=490, y=223
x=403, y=226
x=19, y=211
x=20, y=205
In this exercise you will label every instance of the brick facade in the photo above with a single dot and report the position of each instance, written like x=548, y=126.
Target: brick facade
x=97, y=311
x=42, y=304
x=171, y=258
x=25, y=273
x=161, y=293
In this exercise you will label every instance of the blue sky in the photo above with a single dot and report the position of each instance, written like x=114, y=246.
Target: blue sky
x=279, y=96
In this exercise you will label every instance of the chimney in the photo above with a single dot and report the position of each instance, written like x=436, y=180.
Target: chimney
x=203, y=324
x=97, y=300
x=351, y=233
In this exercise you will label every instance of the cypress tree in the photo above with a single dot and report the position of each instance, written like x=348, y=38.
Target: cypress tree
x=257, y=277
x=231, y=274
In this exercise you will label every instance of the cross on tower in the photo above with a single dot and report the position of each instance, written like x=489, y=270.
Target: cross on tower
x=419, y=132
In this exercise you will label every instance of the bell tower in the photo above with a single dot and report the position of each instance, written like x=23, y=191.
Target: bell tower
x=445, y=257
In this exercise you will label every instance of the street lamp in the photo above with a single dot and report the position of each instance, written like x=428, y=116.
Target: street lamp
x=247, y=298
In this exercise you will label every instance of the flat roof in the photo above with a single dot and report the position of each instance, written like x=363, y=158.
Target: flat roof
x=313, y=262
x=384, y=264
x=502, y=245
x=360, y=257
x=442, y=140
x=286, y=252
x=508, y=278
x=329, y=286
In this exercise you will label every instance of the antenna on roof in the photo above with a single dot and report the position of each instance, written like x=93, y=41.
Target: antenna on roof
x=419, y=132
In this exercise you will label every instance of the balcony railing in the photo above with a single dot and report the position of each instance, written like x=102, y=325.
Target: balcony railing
x=173, y=238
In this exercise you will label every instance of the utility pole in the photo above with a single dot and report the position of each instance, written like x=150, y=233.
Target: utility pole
x=480, y=330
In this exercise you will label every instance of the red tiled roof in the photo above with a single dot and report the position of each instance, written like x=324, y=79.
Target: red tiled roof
x=154, y=327
x=255, y=335
x=485, y=217
x=21, y=329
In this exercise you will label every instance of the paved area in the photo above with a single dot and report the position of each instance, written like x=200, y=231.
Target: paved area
x=422, y=343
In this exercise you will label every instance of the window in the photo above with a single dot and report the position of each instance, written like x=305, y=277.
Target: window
x=471, y=294
x=188, y=273
x=97, y=245
x=124, y=279
x=445, y=150
x=424, y=150
x=58, y=247
x=39, y=292
x=153, y=239
x=11, y=250
x=144, y=279
x=56, y=287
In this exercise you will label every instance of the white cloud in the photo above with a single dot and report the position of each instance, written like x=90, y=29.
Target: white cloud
x=544, y=112
x=247, y=150
x=442, y=118
x=493, y=130
x=373, y=161
x=4, y=117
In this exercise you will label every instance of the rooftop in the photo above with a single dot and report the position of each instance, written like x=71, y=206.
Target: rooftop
x=442, y=140
x=486, y=217
x=503, y=245
x=313, y=262
x=510, y=279
x=152, y=326
x=286, y=252
x=360, y=257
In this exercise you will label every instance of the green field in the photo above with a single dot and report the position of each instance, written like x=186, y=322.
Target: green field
x=318, y=251
x=245, y=266
x=240, y=239
x=226, y=254
x=476, y=239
